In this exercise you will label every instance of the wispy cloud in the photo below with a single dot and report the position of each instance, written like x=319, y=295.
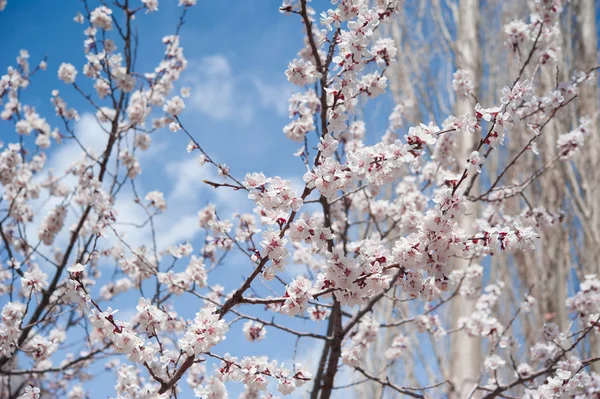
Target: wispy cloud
x=214, y=89
x=90, y=135
x=222, y=93
x=180, y=179
x=273, y=95
x=92, y=139
x=187, y=177
x=185, y=193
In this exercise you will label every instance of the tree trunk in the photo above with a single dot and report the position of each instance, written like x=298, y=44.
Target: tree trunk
x=585, y=58
x=465, y=356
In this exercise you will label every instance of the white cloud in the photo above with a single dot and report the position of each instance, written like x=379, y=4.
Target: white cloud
x=60, y=157
x=273, y=95
x=130, y=214
x=214, y=89
x=183, y=189
x=184, y=229
x=188, y=178
x=183, y=186
x=91, y=137
x=221, y=94
x=185, y=196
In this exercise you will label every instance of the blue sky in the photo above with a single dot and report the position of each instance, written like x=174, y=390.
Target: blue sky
x=237, y=52
x=237, y=111
x=255, y=52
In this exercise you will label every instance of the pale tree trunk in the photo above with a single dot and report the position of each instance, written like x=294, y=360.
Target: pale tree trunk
x=375, y=361
x=585, y=58
x=554, y=267
x=582, y=175
x=465, y=355
x=589, y=161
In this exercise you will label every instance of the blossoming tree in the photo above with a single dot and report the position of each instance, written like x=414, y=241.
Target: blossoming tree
x=408, y=221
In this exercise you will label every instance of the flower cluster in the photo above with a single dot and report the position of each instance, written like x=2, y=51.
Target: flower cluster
x=297, y=295
x=310, y=231
x=303, y=106
x=34, y=280
x=482, y=322
x=274, y=197
x=400, y=344
x=254, y=331
x=462, y=83
x=254, y=373
x=354, y=353
x=204, y=332
x=301, y=72
x=10, y=328
x=67, y=73
x=569, y=143
x=586, y=303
